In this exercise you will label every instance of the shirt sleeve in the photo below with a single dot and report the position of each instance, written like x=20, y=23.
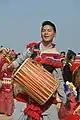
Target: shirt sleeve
x=21, y=58
x=58, y=75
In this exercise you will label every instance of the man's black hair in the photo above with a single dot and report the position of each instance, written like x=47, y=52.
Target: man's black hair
x=49, y=23
x=63, y=52
x=70, y=54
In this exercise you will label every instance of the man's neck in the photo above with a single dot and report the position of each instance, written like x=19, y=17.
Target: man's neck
x=47, y=44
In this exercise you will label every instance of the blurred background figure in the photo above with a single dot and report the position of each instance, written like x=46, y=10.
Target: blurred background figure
x=6, y=85
x=63, y=59
x=67, y=71
x=63, y=54
x=76, y=82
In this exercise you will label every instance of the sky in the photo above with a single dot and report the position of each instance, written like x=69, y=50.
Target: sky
x=20, y=22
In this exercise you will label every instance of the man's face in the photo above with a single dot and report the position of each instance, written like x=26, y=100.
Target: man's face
x=73, y=59
x=47, y=33
x=3, y=54
x=62, y=55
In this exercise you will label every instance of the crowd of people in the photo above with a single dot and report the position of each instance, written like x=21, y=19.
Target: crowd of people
x=64, y=103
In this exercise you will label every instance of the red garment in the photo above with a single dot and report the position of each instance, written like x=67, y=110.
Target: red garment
x=34, y=110
x=22, y=97
x=6, y=102
x=52, y=59
x=75, y=65
x=31, y=45
x=56, y=64
x=73, y=102
x=72, y=117
x=6, y=93
x=65, y=114
x=7, y=73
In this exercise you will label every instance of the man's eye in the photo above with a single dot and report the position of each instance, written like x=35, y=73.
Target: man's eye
x=46, y=30
x=43, y=30
x=49, y=30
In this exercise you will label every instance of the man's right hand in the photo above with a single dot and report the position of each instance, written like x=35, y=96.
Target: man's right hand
x=11, y=66
x=7, y=66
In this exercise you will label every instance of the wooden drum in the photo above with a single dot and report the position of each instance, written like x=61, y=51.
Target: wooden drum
x=36, y=81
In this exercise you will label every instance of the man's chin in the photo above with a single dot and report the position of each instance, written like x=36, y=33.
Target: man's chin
x=47, y=40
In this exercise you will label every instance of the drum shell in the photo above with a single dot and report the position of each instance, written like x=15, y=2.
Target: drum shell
x=36, y=81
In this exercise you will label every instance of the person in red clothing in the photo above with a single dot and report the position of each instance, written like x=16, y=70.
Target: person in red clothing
x=75, y=115
x=42, y=52
x=72, y=117
x=2, y=55
x=6, y=93
x=3, y=60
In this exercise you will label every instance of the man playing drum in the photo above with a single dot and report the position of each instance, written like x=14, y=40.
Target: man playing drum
x=39, y=50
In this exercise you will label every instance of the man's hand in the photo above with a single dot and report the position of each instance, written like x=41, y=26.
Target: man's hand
x=11, y=66
x=7, y=66
x=58, y=100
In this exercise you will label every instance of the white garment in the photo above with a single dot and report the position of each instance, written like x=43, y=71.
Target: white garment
x=18, y=113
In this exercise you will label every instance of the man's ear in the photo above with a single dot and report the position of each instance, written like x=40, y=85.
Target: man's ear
x=54, y=34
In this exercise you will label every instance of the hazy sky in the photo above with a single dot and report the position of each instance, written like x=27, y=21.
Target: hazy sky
x=20, y=22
